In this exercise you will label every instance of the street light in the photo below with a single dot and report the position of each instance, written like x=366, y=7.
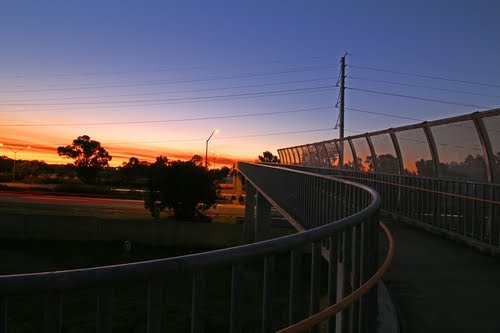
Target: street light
x=206, y=147
x=15, y=158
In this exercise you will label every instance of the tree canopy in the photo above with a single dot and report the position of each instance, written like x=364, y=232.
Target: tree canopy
x=268, y=157
x=90, y=157
x=185, y=187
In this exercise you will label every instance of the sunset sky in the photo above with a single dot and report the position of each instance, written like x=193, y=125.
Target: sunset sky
x=149, y=78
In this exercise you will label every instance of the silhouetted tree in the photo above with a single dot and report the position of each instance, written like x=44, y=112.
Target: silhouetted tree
x=219, y=174
x=425, y=168
x=89, y=157
x=350, y=165
x=26, y=169
x=385, y=163
x=187, y=188
x=5, y=164
x=268, y=157
x=197, y=159
x=472, y=167
x=134, y=169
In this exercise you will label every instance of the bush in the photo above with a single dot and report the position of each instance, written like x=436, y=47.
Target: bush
x=185, y=188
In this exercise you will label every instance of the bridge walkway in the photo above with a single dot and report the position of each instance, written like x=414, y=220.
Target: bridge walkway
x=438, y=285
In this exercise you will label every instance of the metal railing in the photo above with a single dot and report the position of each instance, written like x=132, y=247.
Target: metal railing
x=340, y=224
x=465, y=147
x=462, y=210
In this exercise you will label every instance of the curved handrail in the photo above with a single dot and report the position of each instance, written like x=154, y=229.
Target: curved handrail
x=103, y=275
x=332, y=310
x=362, y=203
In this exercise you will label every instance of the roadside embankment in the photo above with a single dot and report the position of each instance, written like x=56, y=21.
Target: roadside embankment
x=166, y=233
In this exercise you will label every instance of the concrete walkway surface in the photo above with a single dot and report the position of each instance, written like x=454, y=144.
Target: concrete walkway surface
x=438, y=285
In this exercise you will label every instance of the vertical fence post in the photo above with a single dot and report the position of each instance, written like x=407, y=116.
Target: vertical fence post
x=236, y=299
x=4, y=311
x=347, y=267
x=332, y=279
x=267, y=294
x=198, y=299
x=237, y=184
x=356, y=261
x=296, y=294
x=262, y=218
x=154, y=306
x=52, y=313
x=104, y=310
x=249, y=227
x=371, y=269
x=315, y=280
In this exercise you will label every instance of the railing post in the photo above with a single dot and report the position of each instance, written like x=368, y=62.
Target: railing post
x=104, y=308
x=4, y=310
x=154, y=306
x=249, y=228
x=198, y=298
x=237, y=183
x=355, y=276
x=296, y=300
x=346, y=276
x=236, y=299
x=333, y=257
x=53, y=313
x=267, y=294
x=262, y=218
x=315, y=281
x=372, y=264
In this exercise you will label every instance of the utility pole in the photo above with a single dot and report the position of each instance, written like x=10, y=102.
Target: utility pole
x=341, y=109
x=342, y=97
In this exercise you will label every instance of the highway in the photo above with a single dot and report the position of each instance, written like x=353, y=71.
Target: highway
x=42, y=202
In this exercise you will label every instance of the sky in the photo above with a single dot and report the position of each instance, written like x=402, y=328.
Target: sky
x=150, y=78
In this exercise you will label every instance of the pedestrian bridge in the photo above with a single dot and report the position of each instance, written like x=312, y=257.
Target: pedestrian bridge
x=439, y=176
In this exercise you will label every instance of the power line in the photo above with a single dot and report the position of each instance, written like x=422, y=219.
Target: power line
x=426, y=76
x=423, y=86
x=420, y=98
x=160, y=82
x=168, y=92
x=188, y=100
x=383, y=114
x=233, y=137
x=276, y=133
x=158, y=69
x=170, y=120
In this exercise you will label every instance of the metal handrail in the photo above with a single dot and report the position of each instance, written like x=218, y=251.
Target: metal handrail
x=90, y=277
x=54, y=283
x=460, y=209
x=332, y=310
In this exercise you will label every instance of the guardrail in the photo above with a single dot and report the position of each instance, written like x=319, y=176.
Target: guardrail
x=462, y=210
x=339, y=219
x=465, y=148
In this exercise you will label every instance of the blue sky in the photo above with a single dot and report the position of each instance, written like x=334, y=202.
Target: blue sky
x=78, y=64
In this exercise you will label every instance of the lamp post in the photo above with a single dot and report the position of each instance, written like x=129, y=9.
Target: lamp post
x=206, y=147
x=15, y=159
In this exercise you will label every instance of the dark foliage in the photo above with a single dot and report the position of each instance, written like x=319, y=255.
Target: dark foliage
x=134, y=170
x=185, y=188
x=268, y=157
x=90, y=157
x=219, y=174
